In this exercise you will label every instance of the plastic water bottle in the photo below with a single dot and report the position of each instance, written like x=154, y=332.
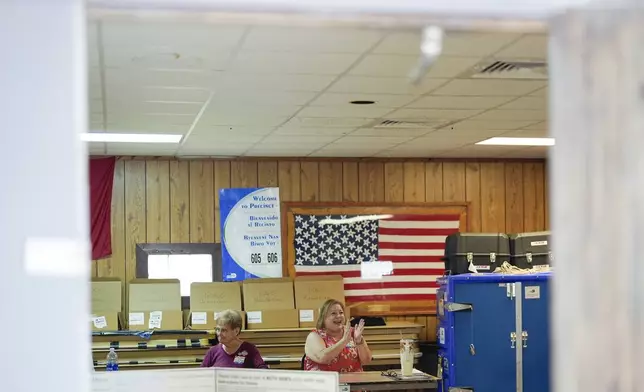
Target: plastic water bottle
x=112, y=363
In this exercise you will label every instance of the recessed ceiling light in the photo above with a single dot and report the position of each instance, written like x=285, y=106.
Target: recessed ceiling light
x=130, y=138
x=518, y=141
x=362, y=102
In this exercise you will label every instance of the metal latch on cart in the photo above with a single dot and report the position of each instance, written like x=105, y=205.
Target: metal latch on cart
x=528, y=257
x=457, y=307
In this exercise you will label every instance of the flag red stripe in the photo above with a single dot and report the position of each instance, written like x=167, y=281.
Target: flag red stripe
x=424, y=218
x=410, y=231
x=412, y=245
x=411, y=259
x=391, y=285
x=397, y=272
x=391, y=297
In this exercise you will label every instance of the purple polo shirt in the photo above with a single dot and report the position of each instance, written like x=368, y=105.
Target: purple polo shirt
x=246, y=356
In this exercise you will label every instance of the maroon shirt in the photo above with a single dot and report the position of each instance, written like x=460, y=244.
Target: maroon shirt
x=246, y=356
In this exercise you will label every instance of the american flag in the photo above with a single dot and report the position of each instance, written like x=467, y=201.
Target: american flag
x=340, y=244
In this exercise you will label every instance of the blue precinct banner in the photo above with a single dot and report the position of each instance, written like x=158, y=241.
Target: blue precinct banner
x=251, y=243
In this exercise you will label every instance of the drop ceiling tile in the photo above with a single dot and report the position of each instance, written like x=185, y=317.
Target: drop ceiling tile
x=382, y=85
x=227, y=149
x=178, y=58
x=202, y=129
x=140, y=126
x=312, y=131
x=454, y=44
x=345, y=111
x=459, y=102
x=433, y=114
x=292, y=63
x=415, y=153
x=310, y=39
x=479, y=152
x=214, y=114
x=95, y=117
x=540, y=93
x=135, y=94
x=401, y=66
x=386, y=100
x=279, y=152
x=476, y=125
x=147, y=149
x=283, y=140
x=221, y=139
x=154, y=119
x=357, y=142
x=166, y=34
x=395, y=132
x=184, y=109
x=320, y=122
x=92, y=45
x=526, y=133
x=240, y=119
x=262, y=98
x=530, y=153
x=96, y=148
x=530, y=46
x=512, y=115
x=236, y=82
x=529, y=103
x=488, y=87
x=538, y=126
x=347, y=153
x=118, y=78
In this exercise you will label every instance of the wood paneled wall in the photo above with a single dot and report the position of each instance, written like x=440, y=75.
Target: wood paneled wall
x=164, y=201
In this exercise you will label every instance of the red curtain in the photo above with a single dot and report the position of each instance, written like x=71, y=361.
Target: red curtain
x=101, y=180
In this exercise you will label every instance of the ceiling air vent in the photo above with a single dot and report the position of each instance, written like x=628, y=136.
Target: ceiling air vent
x=498, y=69
x=406, y=124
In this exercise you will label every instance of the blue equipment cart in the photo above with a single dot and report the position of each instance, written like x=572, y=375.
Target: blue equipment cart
x=493, y=332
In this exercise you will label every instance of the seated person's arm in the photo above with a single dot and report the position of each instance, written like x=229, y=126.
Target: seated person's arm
x=317, y=351
x=208, y=359
x=258, y=361
x=364, y=353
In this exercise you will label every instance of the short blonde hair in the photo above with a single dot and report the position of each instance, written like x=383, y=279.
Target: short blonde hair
x=229, y=318
x=324, y=311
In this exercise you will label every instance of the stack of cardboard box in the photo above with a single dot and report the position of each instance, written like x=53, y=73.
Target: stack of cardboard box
x=270, y=303
x=207, y=300
x=155, y=304
x=106, y=305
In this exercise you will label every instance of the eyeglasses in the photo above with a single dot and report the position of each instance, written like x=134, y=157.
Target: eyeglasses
x=389, y=373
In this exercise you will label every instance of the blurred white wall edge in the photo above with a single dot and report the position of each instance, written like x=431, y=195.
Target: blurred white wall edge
x=453, y=14
x=44, y=198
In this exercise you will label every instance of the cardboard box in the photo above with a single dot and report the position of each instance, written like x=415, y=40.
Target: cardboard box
x=154, y=294
x=312, y=291
x=272, y=319
x=146, y=320
x=268, y=294
x=308, y=318
x=106, y=295
x=106, y=321
x=215, y=296
x=207, y=320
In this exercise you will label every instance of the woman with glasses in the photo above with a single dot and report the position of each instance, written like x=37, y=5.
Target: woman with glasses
x=232, y=351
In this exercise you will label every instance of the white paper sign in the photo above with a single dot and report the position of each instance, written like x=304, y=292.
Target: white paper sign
x=254, y=317
x=532, y=292
x=539, y=243
x=251, y=233
x=306, y=316
x=273, y=380
x=156, y=318
x=99, y=322
x=199, y=318
x=217, y=315
x=136, y=319
x=441, y=335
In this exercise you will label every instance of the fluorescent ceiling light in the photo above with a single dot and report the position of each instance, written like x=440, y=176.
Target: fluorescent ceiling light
x=130, y=138
x=518, y=141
